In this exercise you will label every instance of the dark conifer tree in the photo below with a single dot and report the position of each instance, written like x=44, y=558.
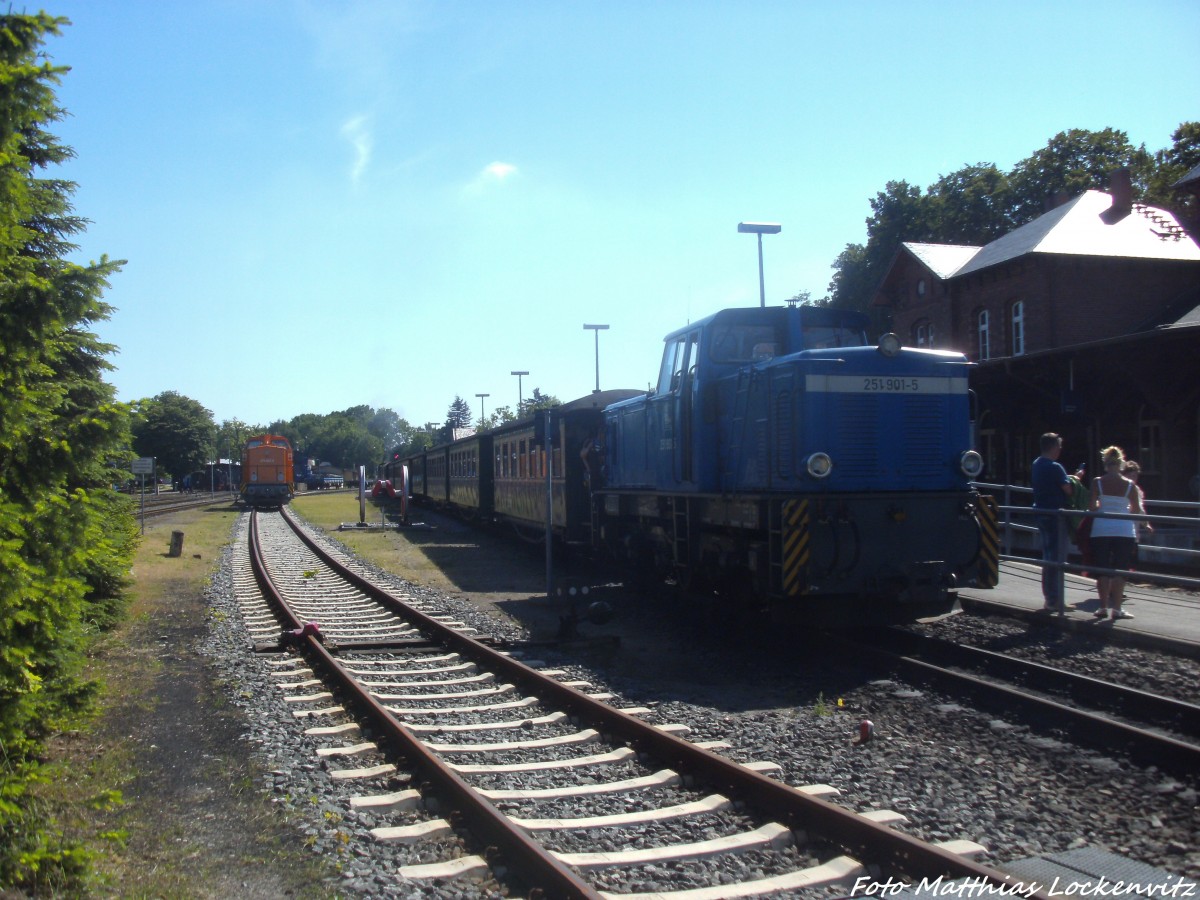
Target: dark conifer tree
x=66, y=538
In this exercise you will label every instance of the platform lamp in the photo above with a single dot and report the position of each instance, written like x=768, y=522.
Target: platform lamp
x=760, y=228
x=481, y=415
x=520, y=392
x=597, y=329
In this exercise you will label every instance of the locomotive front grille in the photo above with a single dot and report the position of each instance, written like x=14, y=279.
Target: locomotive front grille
x=890, y=435
x=923, y=430
x=856, y=431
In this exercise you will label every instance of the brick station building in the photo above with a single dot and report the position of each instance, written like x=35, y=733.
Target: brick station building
x=1086, y=321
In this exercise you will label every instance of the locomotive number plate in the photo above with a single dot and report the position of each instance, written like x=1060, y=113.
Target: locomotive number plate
x=884, y=384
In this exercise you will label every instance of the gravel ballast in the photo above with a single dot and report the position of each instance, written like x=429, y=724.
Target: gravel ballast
x=953, y=772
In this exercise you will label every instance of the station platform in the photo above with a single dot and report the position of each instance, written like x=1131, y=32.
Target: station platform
x=1164, y=617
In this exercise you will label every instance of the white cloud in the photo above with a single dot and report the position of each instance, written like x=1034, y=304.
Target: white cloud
x=357, y=132
x=499, y=170
x=491, y=174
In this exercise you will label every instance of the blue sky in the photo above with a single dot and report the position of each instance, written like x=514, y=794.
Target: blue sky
x=326, y=204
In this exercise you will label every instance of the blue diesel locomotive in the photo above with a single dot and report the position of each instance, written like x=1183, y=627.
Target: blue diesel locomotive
x=781, y=466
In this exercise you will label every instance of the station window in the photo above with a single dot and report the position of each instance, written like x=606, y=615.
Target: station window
x=1018, y=328
x=1149, y=442
x=982, y=330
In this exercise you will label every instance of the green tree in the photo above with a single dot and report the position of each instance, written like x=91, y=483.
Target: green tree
x=852, y=284
x=537, y=400
x=1171, y=164
x=971, y=205
x=1072, y=162
x=347, y=444
x=231, y=436
x=387, y=425
x=177, y=430
x=458, y=415
x=66, y=538
x=497, y=417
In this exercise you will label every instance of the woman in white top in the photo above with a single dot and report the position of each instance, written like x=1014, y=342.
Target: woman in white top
x=1114, y=541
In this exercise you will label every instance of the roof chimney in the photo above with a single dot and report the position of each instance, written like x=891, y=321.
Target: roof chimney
x=1120, y=186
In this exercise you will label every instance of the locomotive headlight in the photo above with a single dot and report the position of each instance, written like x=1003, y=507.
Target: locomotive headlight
x=889, y=345
x=820, y=465
x=971, y=463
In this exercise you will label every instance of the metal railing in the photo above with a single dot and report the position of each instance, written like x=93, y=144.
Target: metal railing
x=1008, y=509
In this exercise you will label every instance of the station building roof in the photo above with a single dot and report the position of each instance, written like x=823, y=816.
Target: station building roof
x=1084, y=226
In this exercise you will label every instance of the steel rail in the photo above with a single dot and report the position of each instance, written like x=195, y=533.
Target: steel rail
x=1133, y=703
x=976, y=605
x=895, y=852
x=548, y=876
x=1148, y=746
x=162, y=507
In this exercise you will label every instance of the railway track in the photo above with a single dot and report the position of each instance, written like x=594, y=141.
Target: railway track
x=170, y=504
x=509, y=772
x=1155, y=729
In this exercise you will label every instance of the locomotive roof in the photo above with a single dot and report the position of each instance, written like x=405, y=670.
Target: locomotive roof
x=808, y=315
x=273, y=440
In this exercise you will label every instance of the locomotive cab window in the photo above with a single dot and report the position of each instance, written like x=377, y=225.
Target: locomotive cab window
x=735, y=343
x=823, y=337
x=671, y=372
x=679, y=356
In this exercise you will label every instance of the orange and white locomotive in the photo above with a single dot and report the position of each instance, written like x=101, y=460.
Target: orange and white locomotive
x=267, y=471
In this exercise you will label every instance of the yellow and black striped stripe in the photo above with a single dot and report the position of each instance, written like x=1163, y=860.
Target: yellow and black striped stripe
x=989, y=541
x=797, y=544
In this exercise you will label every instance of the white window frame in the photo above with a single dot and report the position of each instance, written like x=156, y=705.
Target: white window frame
x=982, y=331
x=1018, y=328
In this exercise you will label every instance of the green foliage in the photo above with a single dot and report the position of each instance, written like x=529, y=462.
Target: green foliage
x=1170, y=165
x=1073, y=162
x=529, y=407
x=348, y=439
x=176, y=430
x=459, y=414
x=66, y=538
x=231, y=436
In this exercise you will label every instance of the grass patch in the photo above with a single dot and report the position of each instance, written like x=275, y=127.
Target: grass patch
x=390, y=550
x=158, y=790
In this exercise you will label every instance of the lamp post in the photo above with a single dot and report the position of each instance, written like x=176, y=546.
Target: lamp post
x=520, y=393
x=481, y=416
x=760, y=228
x=597, y=329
